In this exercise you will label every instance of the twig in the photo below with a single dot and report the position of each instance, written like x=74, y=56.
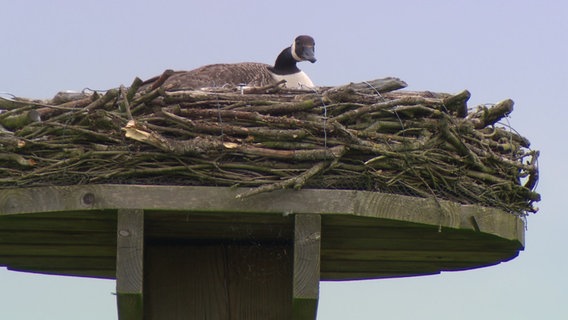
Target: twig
x=297, y=182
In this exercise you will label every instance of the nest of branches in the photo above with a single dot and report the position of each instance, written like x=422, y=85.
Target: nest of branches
x=365, y=136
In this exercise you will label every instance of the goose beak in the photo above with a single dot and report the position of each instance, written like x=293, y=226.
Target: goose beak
x=308, y=54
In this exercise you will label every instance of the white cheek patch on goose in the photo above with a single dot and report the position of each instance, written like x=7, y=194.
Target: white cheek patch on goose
x=294, y=55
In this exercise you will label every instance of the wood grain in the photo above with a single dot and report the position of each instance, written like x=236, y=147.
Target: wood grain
x=59, y=230
x=221, y=199
x=129, y=263
x=307, y=239
x=218, y=281
x=213, y=256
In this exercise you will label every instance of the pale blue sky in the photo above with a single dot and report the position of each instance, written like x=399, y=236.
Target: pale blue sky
x=495, y=49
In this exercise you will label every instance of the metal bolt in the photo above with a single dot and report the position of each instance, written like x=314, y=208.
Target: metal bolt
x=124, y=233
x=88, y=199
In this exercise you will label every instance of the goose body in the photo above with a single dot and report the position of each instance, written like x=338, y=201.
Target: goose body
x=295, y=80
x=251, y=74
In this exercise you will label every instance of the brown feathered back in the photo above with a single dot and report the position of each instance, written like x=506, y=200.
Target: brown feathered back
x=219, y=75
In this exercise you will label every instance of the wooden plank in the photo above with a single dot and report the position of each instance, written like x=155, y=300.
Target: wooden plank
x=81, y=221
x=26, y=237
x=413, y=255
x=338, y=220
x=215, y=226
x=400, y=267
x=32, y=223
x=417, y=244
x=307, y=239
x=89, y=214
x=95, y=273
x=62, y=250
x=349, y=276
x=217, y=217
x=97, y=267
x=129, y=263
x=58, y=262
x=392, y=232
x=223, y=199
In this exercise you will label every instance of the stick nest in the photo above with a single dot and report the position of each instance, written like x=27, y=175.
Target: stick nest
x=365, y=136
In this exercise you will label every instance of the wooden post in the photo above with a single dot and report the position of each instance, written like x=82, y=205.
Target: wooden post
x=307, y=240
x=129, y=263
x=217, y=281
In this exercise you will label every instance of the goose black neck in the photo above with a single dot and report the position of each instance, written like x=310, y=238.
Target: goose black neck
x=285, y=63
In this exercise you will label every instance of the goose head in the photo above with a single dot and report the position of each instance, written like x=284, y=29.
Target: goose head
x=303, y=49
x=285, y=67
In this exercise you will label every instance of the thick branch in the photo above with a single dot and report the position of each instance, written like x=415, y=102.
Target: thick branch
x=458, y=103
x=489, y=116
x=20, y=120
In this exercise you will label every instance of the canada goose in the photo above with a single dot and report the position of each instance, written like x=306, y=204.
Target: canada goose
x=251, y=74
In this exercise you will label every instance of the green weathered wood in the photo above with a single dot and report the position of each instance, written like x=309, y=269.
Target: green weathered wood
x=130, y=306
x=34, y=223
x=307, y=239
x=220, y=199
x=130, y=263
x=260, y=281
x=98, y=267
x=62, y=250
x=185, y=282
x=437, y=256
x=69, y=271
x=218, y=281
x=360, y=229
x=25, y=236
x=215, y=226
x=286, y=240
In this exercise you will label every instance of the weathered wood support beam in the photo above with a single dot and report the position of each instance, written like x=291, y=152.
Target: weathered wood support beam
x=306, y=270
x=129, y=263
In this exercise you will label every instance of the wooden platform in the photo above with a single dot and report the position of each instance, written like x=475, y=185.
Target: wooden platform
x=171, y=241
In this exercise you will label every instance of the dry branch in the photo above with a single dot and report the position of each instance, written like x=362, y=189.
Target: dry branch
x=362, y=136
